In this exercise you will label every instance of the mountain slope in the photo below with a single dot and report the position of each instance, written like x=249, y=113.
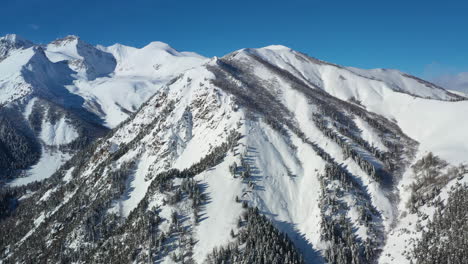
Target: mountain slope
x=330, y=155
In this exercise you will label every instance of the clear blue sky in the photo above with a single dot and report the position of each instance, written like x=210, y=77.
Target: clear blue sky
x=421, y=37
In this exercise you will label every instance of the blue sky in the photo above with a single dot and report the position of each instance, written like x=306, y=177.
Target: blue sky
x=420, y=37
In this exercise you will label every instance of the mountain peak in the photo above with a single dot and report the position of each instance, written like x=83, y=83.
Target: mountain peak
x=11, y=42
x=159, y=45
x=66, y=40
x=277, y=47
x=13, y=38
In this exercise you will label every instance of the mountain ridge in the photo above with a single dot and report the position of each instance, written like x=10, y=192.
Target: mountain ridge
x=330, y=164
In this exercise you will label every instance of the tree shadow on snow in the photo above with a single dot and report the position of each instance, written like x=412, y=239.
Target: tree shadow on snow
x=207, y=199
x=310, y=254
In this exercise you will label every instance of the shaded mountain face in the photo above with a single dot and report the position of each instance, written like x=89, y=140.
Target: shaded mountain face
x=261, y=156
x=86, y=60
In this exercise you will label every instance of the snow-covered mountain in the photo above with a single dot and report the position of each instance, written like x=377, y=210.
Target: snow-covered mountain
x=61, y=96
x=262, y=156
